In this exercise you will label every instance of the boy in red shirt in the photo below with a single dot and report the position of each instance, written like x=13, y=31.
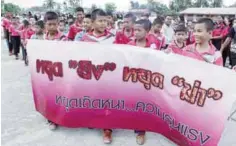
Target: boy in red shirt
x=111, y=23
x=179, y=42
x=77, y=26
x=125, y=36
x=156, y=31
x=51, y=23
x=15, y=32
x=141, y=30
x=202, y=49
x=101, y=35
x=218, y=33
x=26, y=34
x=6, y=22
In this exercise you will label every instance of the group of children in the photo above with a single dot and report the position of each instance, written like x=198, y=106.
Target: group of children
x=99, y=27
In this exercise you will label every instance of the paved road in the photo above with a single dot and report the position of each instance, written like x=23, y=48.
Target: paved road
x=23, y=126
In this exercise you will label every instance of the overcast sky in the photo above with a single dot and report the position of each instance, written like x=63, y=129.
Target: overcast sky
x=121, y=4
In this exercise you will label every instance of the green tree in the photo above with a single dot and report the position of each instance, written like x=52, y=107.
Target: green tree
x=74, y=3
x=93, y=7
x=158, y=7
x=180, y=5
x=134, y=5
x=217, y=3
x=49, y=4
x=9, y=7
x=110, y=7
x=201, y=3
x=2, y=6
x=36, y=9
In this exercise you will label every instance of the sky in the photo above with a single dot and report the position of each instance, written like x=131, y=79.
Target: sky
x=121, y=4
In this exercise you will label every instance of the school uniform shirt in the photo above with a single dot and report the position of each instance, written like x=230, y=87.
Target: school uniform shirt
x=80, y=35
x=26, y=34
x=160, y=40
x=218, y=31
x=232, y=35
x=190, y=40
x=149, y=44
x=73, y=30
x=112, y=30
x=106, y=38
x=121, y=38
x=15, y=30
x=211, y=56
x=168, y=32
x=174, y=48
x=58, y=37
x=6, y=23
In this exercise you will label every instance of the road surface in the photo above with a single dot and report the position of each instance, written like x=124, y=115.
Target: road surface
x=23, y=126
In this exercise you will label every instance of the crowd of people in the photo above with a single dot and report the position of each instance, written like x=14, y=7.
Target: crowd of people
x=206, y=39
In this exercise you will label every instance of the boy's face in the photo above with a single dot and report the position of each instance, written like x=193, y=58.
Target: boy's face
x=180, y=36
x=80, y=15
x=51, y=26
x=100, y=24
x=157, y=28
x=87, y=24
x=128, y=24
x=168, y=20
x=139, y=32
x=37, y=29
x=109, y=19
x=201, y=34
x=61, y=26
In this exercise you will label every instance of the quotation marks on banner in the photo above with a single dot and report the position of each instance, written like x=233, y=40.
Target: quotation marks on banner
x=86, y=69
x=194, y=93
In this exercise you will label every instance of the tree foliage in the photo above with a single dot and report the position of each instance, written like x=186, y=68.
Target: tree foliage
x=9, y=7
x=74, y=3
x=158, y=7
x=110, y=7
x=49, y=4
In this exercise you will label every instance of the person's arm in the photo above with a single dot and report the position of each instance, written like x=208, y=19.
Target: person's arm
x=226, y=43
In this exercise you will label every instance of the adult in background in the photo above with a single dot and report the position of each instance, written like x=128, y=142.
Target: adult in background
x=167, y=30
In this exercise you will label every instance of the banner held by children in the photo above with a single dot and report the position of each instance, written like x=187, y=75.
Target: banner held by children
x=77, y=84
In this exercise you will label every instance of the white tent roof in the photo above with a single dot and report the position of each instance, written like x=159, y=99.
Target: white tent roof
x=210, y=11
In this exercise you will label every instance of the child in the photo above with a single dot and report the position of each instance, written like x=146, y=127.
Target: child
x=190, y=39
x=141, y=29
x=6, y=23
x=110, y=23
x=180, y=40
x=14, y=29
x=100, y=35
x=156, y=31
x=202, y=49
x=27, y=32
x=62, y=27
x=51, y=23
x=125, y=36
x=87, y=27
x=39, y=30
x=77, y=26
x=120, y=26
x=99, y=32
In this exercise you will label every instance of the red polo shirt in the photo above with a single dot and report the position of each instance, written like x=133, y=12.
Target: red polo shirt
x=74, y=29
x=121, y=38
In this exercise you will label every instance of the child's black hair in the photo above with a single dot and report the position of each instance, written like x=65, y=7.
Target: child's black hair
x=79, y=9
x=145, y=23
x=158, y=20
x=26, y=23
x=209, y=24
x=62, y=21
x=50, y=15
x=109, y=14
x=97, y=12
x=87, y=16
x=40, y=23
x=131, y=16
x=180, y=28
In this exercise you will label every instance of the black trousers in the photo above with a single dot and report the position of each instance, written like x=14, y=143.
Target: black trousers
x=9, y=43
x=232, y=59
x=225, y=54
x=16, y=44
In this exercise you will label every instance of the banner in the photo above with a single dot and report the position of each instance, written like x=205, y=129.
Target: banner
x=78, y=84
